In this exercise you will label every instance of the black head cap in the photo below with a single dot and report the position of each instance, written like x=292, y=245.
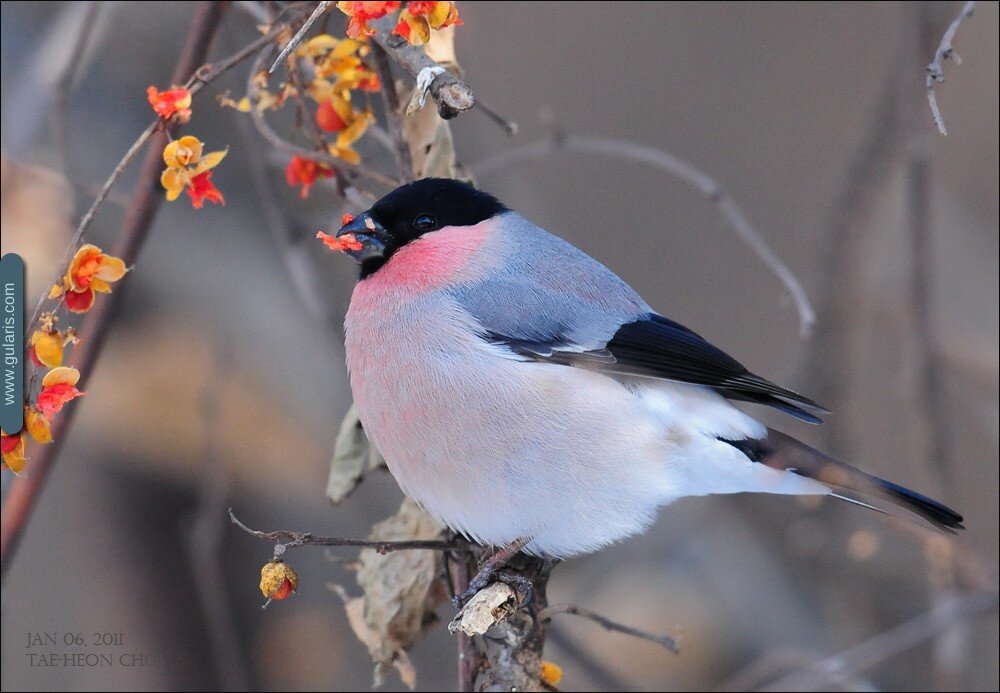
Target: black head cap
x=412, y=210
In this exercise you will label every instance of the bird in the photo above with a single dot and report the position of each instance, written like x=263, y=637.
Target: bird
x=526, y=397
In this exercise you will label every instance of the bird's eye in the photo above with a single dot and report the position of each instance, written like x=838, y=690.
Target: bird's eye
x=424, y=222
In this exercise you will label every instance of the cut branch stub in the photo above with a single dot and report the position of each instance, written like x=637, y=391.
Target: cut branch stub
x=486, y=609
x=450, y=94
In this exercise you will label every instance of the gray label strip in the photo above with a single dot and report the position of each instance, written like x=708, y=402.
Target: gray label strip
x=12, y=344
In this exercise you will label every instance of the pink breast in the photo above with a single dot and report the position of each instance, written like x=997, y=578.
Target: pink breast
x=428, y=262
x=379, y=319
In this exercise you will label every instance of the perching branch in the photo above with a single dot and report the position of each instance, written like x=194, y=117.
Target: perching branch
x=677, y=167
x=664, y=641
x=451, y=94
x=935, y=70
x=296, y=539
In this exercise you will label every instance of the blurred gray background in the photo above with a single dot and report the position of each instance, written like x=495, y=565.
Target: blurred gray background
x=218, y=369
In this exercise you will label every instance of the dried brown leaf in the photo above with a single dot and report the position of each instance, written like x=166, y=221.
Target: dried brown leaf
x=353, y=457
x=400, y=594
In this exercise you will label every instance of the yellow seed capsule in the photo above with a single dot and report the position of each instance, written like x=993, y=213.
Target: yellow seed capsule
x=278, y=580
x=37, y=425
x=551, y=674
x=48, y=347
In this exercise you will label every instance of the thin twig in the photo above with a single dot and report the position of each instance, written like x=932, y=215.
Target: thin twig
x=390, y=98
x=451, y=94
x=295, y=79
x=301, y=271
x=64, y=85
x=88, y=217
x=881, y=647
x=926, y=374
x=844, y=258
x=204, y=534
x=320, y=10
x=265, y=129
x=678, y=168
x=296, y=539
x=509, y=126
x=201, y=77
x=590, y=666
x=929, y=416
x=935, y=70
x=664, y=641
x=146, y=199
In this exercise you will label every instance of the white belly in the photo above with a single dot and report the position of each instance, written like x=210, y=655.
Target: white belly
x=499, y=449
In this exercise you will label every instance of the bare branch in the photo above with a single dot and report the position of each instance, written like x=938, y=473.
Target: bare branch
x=390, y=98
x=677, y=167
x=888, y=644
x=202, y=76
x=598, y=672
x=664, y=641
x=88, y=217
x=138, y=219
x=296, y=539
x=451, y=94
x=265, y=129
x=205, y=532
x=935, y=70
x=320, y=10
x=845, y=227
x=64, y=85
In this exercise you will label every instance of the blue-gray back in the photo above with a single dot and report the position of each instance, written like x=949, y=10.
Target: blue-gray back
x=545, y=294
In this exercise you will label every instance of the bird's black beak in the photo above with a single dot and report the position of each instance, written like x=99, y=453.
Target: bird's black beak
x=369, y=233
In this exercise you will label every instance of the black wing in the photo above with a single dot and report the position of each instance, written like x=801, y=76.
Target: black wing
x=654, y=346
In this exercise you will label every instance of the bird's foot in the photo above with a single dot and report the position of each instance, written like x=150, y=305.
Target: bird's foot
x=492, y=568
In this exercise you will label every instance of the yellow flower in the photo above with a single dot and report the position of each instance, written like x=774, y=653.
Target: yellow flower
x=37, y=425
x=90, y=271
x=317, y=46
x=551, y=674
x=336, y=114
x=342, y=147
x=46, y=348
x=339, y=60
x=361, y=12
x=417, y=20
x=12, y=449
x=185, y=162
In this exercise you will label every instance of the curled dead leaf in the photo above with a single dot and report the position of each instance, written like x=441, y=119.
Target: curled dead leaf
x=353, y=457
x=400, y=592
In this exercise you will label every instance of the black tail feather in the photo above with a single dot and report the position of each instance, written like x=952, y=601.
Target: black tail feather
x=784, y=452
x=938, y=514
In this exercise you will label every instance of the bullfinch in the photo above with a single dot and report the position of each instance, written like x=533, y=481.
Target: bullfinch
x=524, y=394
